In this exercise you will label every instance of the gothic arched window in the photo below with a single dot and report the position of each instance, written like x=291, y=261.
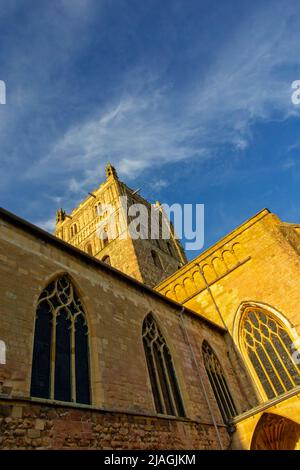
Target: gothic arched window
x=267, y=343
x=218, y=383
x=74, y=230
x=166, y=394
x=60, y=364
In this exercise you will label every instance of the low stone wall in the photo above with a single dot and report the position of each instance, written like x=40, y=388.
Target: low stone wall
x=29, y=425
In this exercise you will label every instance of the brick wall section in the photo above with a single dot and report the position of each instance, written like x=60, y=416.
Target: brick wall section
x=35, y=426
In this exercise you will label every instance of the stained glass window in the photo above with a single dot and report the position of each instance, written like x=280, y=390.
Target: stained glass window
x=269, y=347
x=60, y=365
x=164, y=384
x=218, y=383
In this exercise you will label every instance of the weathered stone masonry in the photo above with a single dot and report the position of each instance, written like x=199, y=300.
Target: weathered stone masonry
x=36, y=426
x=116, y=306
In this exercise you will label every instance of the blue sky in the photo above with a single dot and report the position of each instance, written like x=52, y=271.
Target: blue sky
x=189, y=99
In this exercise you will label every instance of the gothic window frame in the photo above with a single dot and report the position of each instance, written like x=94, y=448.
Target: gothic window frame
x=167, y=394
x=238, y=336
x=74, y=229
x=63, y=301
x=89, y=248
x=218, y=381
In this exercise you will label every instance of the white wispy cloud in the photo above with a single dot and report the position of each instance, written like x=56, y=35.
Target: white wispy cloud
x=156, y=124
x=48, y=224
x=149, y=120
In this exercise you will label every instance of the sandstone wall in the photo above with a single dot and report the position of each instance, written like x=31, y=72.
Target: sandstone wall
x=36, y=426
x=115, y=307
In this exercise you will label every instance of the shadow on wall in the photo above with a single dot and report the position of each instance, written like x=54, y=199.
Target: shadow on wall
x=275, y=432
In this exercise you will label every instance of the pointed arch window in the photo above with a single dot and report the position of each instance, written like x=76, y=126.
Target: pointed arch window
x=218, y=383
x=60, y=364
x=268, y=345
x=166, y=393
x=74, y=230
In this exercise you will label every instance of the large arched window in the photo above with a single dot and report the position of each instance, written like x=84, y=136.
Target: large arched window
x=164, y=384
x=267, y=343
x=218, y=383
x=60, y=364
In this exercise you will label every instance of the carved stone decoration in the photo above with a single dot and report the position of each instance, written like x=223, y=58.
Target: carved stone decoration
x=60, y=215
x=274, y=432
x=110, y=171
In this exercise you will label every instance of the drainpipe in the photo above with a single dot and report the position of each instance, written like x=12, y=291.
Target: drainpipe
x=212, y=297
x=200, y=379
x=235, y=349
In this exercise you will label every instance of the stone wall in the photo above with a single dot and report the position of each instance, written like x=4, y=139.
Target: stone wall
x=115, y=307
x=38, y=426
x=257, y=264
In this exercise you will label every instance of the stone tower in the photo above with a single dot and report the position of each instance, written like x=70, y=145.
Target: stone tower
x=100, y=226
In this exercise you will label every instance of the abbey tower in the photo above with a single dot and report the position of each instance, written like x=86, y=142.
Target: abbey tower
x=147, y=259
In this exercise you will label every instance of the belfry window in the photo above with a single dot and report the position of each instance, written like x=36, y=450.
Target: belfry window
x=89, y=249
x=60, y=364
x=267, y=343
x=74, y=230
x=161, y=370
x=218, y=383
